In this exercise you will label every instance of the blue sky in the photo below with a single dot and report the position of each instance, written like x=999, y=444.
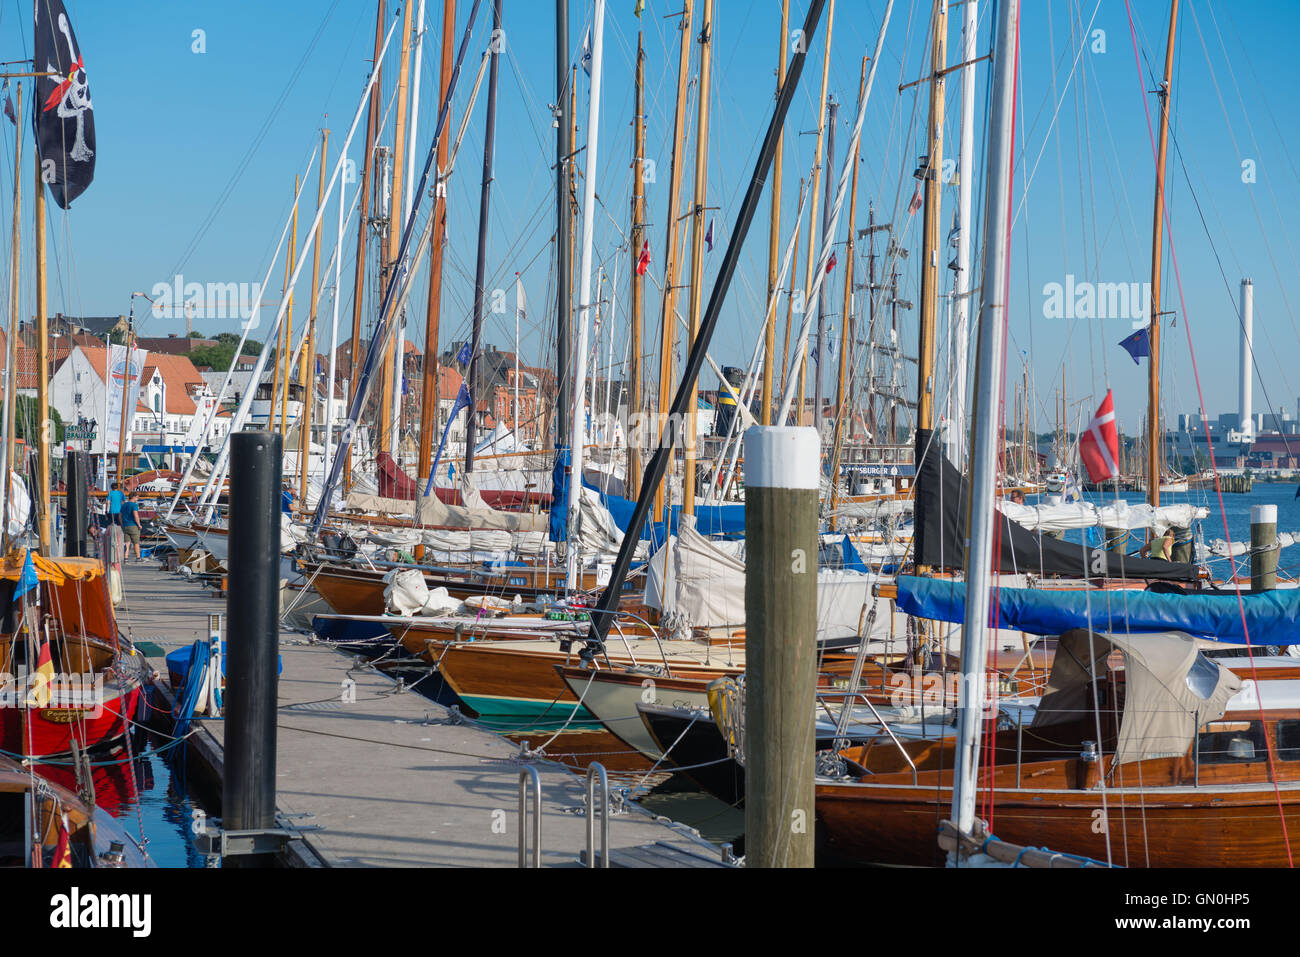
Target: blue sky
x=197, y=154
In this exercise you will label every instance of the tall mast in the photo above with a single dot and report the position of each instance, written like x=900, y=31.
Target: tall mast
x=986, y=435
x=697, y=243
x=773, y=242
x=846, y=318
x=633, y=472
x=931, y=170
x=1157, y=252
x=832, y=111
x=789, y=299
x=811, y=264
x=363, y=228
x=961, y=284
x=485, y=199
x=563, y=226
x=307, y=365
x=399, y=371
x=11, y=378
x=284, y=358
x=433, y=311
x=392, y=365
x=585, y=304
x=43, y=365
x=668, y=315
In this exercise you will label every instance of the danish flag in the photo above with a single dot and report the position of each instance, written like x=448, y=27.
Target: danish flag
x=1099, y=445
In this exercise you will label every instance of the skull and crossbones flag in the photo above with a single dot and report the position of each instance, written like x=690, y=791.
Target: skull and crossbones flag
x=62, y=116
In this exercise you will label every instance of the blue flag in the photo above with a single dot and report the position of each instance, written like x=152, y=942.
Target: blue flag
x=463, y=358
x=1138, y=344
x=462, y=401
x=27, y=580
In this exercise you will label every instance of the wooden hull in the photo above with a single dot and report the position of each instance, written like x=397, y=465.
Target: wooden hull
x=517, y=681
x=49, y=732
x=1161, y=827
x=359, y=591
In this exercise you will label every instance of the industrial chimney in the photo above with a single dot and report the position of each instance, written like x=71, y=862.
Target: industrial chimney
x=1247, y=423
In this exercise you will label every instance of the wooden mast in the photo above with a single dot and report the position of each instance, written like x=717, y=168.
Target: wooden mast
x=811, y=264
x=355, y=360
x=1157, y=251
x=932, y=171
x=789, y=299
x=846, y=318
x=480, y=269
x=668, y=316
x=12, y=385
x=774, y=235
x=697, y=244
x=634, y=465
x=284, y=349
x=391, y=366
x=433, y=311
x=42, y=365
x=307, y=365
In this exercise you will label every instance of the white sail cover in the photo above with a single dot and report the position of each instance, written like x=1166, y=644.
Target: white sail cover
x=1063, y=517
x=19, y=505
x=703, y=582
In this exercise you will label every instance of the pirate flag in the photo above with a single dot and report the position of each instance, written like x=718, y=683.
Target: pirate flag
x=62, y=116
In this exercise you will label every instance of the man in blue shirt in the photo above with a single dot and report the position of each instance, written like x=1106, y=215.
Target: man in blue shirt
x=115, y=500
x=131, y=522
x=287, y=497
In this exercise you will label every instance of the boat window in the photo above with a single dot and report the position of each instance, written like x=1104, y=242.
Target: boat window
x=1232, y=743
x=1288, y=740
x=1203, y=677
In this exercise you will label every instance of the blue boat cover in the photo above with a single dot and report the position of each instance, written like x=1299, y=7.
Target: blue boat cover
x=1270, y=618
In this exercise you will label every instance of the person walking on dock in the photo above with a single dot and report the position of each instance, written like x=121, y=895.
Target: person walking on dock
x=115, y=500
x=131, y=522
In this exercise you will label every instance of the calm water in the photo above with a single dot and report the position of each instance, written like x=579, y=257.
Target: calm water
x=145, y=797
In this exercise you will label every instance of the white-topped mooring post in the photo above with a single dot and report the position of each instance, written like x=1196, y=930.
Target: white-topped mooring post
x=782, y=472
x=1263, y=547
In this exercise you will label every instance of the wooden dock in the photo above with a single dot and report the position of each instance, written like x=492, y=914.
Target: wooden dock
x=376, y=776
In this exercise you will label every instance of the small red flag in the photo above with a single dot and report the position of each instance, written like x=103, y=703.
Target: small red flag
x=63, y=853
x=831, y=262
x=643, y=262
x=1099, y=444
x=916, y=202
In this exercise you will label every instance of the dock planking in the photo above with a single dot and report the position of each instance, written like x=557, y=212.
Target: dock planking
x=389, y=779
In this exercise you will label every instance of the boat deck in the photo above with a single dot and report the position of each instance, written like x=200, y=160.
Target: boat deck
x=388, y=780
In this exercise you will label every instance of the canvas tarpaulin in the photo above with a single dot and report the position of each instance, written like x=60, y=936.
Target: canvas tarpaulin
x=1269, y=617
x=1171, y=689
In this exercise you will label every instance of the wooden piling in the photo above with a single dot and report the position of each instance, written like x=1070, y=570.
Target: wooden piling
x=1263, y=548
x=781, y=494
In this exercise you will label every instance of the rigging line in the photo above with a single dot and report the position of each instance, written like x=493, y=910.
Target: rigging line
x=210, y=218
x=1253, y=202
x=1241, y=607
x=1228, y=287
x=1056, y=112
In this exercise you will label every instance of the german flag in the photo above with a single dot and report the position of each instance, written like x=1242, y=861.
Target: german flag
x=43, y=679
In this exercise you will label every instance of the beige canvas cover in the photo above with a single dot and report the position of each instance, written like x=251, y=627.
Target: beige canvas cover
x=1171, y=689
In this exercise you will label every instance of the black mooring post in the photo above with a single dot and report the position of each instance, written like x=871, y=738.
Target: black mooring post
x=74, y=544
x=253, y=633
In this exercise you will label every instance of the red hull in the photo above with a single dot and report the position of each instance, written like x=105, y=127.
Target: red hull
x=49, y=732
